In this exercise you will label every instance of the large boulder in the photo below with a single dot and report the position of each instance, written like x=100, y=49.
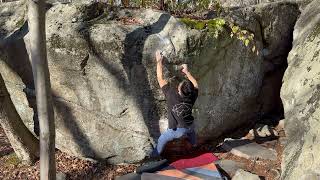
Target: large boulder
x=12, y=17
x=301, y=97
x=275, y=21
x=245, y=3
x=107, y=102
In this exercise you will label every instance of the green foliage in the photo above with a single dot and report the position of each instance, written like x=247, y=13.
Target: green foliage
x=178, y=7
x=194, y=5
x=202, y=4
x=214, y=26
x=217, y=6
x=174, y=6
x=194, y=24
x=243, y=35
x=146, y=3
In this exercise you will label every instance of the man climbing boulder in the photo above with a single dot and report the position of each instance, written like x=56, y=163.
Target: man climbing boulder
x=180, y=101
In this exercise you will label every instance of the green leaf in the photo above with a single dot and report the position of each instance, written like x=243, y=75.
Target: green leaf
x=246, y=42
x=241, y=37
x=235, y=29
x=200, y=25
x=244, y=31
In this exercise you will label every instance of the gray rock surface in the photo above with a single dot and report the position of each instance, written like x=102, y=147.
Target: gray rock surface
x=262, y=131
x=249, y=150
x=283, y=140
x=107, y=102
x=11, y=18
x=275, y=21
x=301, y=98
x=244, y=175
x=61, y=176
x=229, y=166
x=245, y=3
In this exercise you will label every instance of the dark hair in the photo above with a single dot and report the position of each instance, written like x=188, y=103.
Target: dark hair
x=187, y=88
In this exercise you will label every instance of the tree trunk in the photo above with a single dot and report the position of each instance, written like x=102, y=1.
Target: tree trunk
x=38, y=54
x=25, y=145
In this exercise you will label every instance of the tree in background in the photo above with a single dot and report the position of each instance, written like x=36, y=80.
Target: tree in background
x=25, y=145
x=38, y=54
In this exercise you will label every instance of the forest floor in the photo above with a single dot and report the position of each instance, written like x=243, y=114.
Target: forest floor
x=75, y=168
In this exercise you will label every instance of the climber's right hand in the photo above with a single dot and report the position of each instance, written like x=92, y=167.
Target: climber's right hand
x=184, y=68
x=159, y=56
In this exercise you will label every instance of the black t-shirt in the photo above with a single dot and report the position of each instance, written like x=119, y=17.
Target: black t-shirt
x=179, y=109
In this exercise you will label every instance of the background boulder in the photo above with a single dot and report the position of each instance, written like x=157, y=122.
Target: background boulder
x=245, y=3
x=301, y=98
x=275, y=21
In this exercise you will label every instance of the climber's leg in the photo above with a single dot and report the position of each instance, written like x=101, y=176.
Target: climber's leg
x=192, y=136
x=169, y=135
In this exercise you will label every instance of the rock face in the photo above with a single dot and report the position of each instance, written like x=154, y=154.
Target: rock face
x=275, y=21
x=300, y=94
x=244, y=3
x=229, y=166
x=248, y=149
x=107, y=102
x=12, y=16
x=244, y=175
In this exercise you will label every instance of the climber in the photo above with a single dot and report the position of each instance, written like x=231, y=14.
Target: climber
x=180, y=101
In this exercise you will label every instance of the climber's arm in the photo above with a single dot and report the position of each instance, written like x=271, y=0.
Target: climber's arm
x=159, y=59
x=189, y=76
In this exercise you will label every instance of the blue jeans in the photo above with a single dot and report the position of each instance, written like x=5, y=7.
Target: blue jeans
x=171, y=134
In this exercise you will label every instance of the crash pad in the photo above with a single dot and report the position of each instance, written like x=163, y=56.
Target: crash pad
x=203, y=159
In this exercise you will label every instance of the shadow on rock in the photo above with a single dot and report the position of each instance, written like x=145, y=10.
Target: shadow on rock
x=137, y=73
x=135, y=69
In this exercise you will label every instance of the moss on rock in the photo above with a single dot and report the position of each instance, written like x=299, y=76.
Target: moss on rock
x=214, y=26
x=193, y=24
x=203, y=24
x=218, y=25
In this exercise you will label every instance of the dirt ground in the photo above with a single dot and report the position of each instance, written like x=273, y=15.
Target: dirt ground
x=75, y=168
